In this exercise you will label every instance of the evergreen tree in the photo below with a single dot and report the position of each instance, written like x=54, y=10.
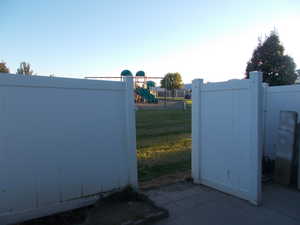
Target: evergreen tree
x=269, y=58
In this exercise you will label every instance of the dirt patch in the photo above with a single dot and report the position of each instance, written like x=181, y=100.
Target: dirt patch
x=129, y=212
x=73, y=217
x=123, y=208
x=166, y=180
x=127, y=207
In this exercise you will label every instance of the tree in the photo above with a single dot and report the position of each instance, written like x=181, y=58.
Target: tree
x=171, y=81
x=269, y=58
x=25, y=69
x=3, y=67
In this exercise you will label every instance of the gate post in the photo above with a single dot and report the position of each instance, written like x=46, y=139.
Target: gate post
x=257, y=131
x=265, y=113
x=130, y=132
x=196, y=129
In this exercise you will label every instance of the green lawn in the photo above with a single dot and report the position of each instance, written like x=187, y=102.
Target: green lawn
x=163, y=142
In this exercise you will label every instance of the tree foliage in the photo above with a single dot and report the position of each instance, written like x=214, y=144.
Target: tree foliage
x=3, y=68
x=171, y=81
x=25, y=69
x=269, y=58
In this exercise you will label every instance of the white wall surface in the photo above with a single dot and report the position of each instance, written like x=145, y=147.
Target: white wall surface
x=62, y=141
x=227, y=136
x=278, y=98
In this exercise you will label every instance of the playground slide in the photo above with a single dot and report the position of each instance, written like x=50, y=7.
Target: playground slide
x=146, y=95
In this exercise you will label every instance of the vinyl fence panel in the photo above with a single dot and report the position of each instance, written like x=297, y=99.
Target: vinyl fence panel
x=279, y=98
x=227, y=136
x=62, y=142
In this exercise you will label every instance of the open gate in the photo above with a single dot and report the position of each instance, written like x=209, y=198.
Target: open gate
x=227, y=136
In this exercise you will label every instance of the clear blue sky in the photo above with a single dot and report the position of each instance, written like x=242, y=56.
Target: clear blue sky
x=200, y=39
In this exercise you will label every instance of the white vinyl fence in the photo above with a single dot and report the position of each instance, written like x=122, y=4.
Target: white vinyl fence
x=63, y=141
x=227, y=136
x=278, y=98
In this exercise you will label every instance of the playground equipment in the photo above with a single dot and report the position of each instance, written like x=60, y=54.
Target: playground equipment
x=145, y=95
x=142, y=90
x=142, y=85
x=125, y=73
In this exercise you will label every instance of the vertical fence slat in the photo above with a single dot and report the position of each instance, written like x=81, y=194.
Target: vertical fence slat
x=257, y=133
x=196, y=129
x=131, y=132
x=265, y=110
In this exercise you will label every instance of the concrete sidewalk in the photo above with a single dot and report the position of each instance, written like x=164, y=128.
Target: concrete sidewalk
x=190, y=204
